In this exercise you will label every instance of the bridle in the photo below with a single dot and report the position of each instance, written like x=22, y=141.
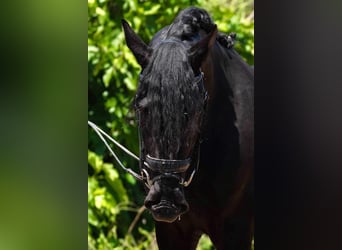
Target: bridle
x=166, y=168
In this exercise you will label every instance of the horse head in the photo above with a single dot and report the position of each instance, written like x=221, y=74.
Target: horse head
x=170, y=106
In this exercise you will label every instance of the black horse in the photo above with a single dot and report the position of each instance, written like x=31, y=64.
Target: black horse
x=195, y=111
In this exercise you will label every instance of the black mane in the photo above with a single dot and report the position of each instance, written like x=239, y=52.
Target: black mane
x=169, y=96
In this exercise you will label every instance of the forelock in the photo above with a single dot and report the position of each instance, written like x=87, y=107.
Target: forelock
x=168, y=95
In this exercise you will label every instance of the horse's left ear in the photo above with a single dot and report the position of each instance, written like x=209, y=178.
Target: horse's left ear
x=199, y=51
x=141, y=51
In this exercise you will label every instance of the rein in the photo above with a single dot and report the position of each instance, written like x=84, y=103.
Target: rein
x=149, y=163
x=100, y=133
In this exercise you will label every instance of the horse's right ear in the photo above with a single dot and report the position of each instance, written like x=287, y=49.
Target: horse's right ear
x=141, y=51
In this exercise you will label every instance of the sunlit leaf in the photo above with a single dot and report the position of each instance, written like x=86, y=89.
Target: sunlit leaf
x=99, y=201
x=95, y=161
x=111, y=172
x=129, y=84
x=100, y=11
x=92, y=219
x=153, y=10
x=107, y=77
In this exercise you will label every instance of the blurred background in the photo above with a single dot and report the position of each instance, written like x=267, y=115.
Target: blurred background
x=116, y=216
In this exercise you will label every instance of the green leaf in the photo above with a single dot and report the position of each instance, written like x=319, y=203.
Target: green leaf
x=92, y=219
x=130, y=179
x=111, y=172
x=95, y=161
x=99, y=201
x=129, y=83
x=107, y=76
x=154, y=10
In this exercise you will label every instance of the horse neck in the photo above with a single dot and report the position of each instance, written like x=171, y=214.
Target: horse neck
x=231, y=84
x=227, y=134
x=230, y=124
x=220, y=134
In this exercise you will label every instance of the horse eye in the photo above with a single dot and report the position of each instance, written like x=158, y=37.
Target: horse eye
x=198, y=78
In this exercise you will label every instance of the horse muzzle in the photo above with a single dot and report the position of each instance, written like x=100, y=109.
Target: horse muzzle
x=166, y=203
x=168, y=212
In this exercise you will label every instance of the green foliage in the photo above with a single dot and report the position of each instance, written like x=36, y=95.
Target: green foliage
x=116, y=218
x=235, y=16
x=205, y=243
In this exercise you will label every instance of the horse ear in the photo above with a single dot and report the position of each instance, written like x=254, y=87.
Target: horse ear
x=141, y=51
x=199, y=51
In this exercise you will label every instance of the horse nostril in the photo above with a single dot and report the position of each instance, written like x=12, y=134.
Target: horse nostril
x=184, y=207
x=149, y=203
x=152, y=199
